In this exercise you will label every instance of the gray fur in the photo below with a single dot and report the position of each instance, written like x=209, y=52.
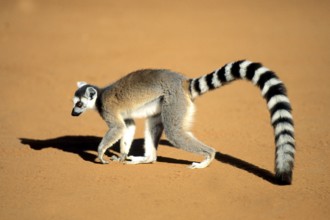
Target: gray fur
x=162, y=97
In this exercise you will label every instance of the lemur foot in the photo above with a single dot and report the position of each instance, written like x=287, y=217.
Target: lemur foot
x=120, y=158
x=139, y=160
x=104, y=161
x=100, y=156
x=203, y=164
x=197, y=165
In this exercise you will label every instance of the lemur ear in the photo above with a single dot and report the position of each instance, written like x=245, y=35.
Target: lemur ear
x=91, y=92
x=81, y=84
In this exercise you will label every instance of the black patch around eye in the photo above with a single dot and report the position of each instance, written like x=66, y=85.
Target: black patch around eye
x=79, y=104
x=91, y=95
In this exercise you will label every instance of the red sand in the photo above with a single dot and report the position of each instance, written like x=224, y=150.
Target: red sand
x=47, y=168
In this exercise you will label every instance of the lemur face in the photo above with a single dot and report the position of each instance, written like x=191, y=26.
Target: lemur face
x=84, y=98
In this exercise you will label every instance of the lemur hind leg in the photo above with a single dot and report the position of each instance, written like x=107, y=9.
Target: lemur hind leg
x=153, y=131
x=177, y=115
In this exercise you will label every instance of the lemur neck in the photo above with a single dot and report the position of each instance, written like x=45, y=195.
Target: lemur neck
x=98, y=102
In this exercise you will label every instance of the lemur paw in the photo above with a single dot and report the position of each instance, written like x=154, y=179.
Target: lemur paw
x=104, y=161
x=115, y=158
x=198, y=165
x=193, y=166
x=122, y=157
x=204, y=163
x=139, y=160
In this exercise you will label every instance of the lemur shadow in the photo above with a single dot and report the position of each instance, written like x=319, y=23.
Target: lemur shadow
x=251, y=168
x=85, y=147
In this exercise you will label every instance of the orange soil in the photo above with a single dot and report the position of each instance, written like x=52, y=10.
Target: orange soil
x=47, y=157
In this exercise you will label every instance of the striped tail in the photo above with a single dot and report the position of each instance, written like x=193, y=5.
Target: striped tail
x=274, y=91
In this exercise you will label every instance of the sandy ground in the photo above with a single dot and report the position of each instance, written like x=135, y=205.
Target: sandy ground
x=47, y=157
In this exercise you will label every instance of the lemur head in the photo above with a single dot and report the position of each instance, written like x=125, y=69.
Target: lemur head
x=84, y=98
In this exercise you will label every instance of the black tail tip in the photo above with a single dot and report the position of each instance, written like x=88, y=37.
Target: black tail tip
x=284, y=178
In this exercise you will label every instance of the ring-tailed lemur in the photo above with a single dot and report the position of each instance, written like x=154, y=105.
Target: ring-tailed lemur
x=165, y=98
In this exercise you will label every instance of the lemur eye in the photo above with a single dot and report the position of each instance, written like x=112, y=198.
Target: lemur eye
x=79, y=104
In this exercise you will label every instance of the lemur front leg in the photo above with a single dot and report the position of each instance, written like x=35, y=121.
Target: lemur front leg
x=153, y=131
x=127, y=139
x=116, y=130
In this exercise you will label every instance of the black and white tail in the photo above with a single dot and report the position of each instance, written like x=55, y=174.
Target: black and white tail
x=274, y=91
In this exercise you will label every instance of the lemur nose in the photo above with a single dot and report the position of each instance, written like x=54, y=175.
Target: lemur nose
x=73, y=113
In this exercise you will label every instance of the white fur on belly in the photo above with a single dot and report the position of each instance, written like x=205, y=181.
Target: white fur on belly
x=146, y=110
